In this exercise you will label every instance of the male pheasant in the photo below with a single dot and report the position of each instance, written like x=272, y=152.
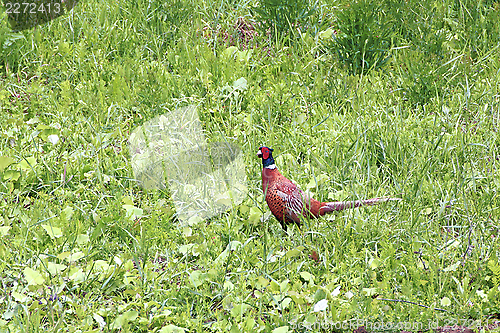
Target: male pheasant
x=287, y=202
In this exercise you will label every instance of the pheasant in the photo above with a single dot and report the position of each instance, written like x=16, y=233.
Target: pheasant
x=287, y=202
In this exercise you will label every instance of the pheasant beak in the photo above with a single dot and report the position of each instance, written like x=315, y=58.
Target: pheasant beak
x=259, y=154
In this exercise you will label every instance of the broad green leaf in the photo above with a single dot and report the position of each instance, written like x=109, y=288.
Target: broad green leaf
x=133, y=212
x=197, y=278
x=223, y=201
x=82, y=239
x=27, y=163
x=42, y=127
x=445, y=301
x=141, y=321
x=77, y=275
x=426, y=211
x=21, y=298
x=282, y=329
x=63, y=255
x=374, y=263
x=274, y=286
x=319, y=295
x=117, y=260
x=8, y=315
x=99, y=320
x=307, y=276
x=239, y=310
x=129, y=265
x=311, y=319
x=301, y=118
x=228, y=286
x=55, y=269
x=320, y=179
x=231, y=246
x=452, y=267
x=249, y=324
x=284, y=286
x=33, y=277
x=230, y=51
x=162, y=315
x=100, y=265
x=53, y=232
x=171, y=328
x=124, y=318
x=12, y=175
x=297, y=297
x=261, y=282
x=199, y=249
x=128, y=201
x=294, y=252
x=338, y=195
x=244, y=209
x=370, y=291
x=187, y=231
x=326, y=34
x=105, y=312
x=75, y=256
x=186, y=248
x=194, y=220
x=286, y=302
x=240, y=84
x=244, y=55
x=5, y=161
x=227, y=303
x=4, y=230
x=254, y=215
x=33, y=121
x=68, y=212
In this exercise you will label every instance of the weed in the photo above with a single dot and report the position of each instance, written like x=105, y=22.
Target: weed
x=281, y=18
x=364, y=37
x=84, y=247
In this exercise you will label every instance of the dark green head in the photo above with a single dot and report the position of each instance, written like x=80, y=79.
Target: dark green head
x=266, y=154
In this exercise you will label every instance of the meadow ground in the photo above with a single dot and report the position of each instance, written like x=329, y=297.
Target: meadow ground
x=358, y=99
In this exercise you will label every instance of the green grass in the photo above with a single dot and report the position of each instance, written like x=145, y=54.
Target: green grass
x=423, y=125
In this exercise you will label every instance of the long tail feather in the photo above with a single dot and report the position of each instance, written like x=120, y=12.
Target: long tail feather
x=328, y=207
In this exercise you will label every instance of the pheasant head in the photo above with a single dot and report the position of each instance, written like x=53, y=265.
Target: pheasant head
x=266, y=154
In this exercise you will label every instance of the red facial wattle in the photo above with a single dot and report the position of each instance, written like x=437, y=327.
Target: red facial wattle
x=265, y=153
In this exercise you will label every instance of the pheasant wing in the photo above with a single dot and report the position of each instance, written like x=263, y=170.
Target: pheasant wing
x=293, y=201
